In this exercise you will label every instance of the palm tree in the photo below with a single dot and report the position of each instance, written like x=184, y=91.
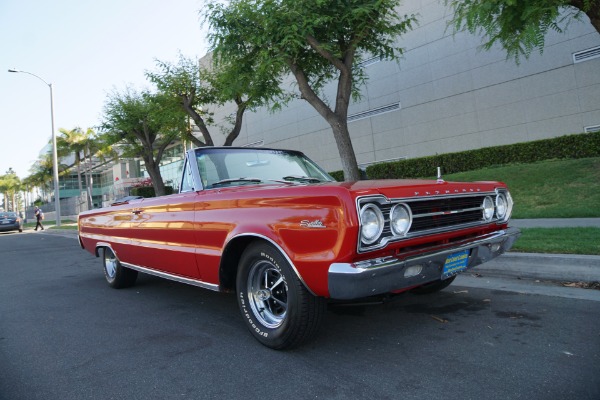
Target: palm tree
x=71, y=142
x=9, y=186
x=83, y=145
x=41, y=173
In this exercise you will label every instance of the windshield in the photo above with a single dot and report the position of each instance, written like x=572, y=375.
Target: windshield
x=225, y=167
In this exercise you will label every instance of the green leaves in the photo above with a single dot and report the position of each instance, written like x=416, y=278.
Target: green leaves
x=321, y=39
x=519, y=26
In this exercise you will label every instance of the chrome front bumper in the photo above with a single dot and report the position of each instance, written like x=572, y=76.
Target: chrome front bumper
x=388, y=274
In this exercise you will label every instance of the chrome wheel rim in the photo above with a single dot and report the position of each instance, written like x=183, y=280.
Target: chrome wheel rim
x=110, y=264
x=267, y=292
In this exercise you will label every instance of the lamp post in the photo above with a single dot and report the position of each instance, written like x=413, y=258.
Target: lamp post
x=54, y=152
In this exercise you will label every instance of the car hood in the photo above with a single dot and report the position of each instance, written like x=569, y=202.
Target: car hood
x=402, y=188
x=390, y=188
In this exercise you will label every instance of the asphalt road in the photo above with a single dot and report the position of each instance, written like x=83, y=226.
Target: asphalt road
x=64, y=334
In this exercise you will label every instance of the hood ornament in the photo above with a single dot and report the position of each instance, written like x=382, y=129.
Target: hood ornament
x=439, y=175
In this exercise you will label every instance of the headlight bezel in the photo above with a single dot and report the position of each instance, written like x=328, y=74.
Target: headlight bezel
x=371, y=207
x=501, y=206
x=488, y=210
x=504, y=194
x=408, y=213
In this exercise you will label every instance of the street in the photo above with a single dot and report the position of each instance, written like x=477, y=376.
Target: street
x=64, y=334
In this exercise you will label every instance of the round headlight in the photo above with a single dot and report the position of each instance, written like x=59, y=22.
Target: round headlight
x=488, y=208
x=371, y=220
x=501, y=206
x=401, y=219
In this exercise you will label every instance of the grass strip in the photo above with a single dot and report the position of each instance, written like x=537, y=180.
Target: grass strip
x=559, y=241
x=547, y=189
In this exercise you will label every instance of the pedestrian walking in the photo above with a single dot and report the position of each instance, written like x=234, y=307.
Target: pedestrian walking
x=39, y=216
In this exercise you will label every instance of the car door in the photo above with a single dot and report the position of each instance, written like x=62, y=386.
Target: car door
x=162, y=234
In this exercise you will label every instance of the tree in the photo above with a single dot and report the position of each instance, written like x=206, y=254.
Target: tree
x=142, y=124
x=83, y=145
x=41, y=173
x=520, y=26
x=317, y=41
x=195, y=88
x=9, y=186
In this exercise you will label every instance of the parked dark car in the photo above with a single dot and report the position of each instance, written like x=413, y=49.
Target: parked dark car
x=10, y=221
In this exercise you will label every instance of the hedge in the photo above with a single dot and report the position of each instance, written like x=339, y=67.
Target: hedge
x=581, y=145
x=148, y=191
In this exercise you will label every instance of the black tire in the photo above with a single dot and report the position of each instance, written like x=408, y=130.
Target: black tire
x=275, y=305
x=117, y=275
x=433, y=287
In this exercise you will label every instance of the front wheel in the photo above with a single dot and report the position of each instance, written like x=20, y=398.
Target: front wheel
x=277, y=308
x=117, y=275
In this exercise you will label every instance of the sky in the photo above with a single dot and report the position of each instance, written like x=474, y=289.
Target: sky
x=86, y=50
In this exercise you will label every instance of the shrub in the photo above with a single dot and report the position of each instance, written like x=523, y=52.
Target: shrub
x=582, y=145
x=148, y=191
x=337, y=175
x=144, y=188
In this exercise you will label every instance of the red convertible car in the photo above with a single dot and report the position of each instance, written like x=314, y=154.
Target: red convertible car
x=274, y=228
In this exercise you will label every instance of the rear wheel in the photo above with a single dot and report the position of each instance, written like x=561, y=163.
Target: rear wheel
x=433, y=287
x=277, y=308
x=116, y=275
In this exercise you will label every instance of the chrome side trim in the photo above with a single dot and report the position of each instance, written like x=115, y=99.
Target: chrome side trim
x=140, y=243
x=257, y=235
x=176, y=278
x=160, y=274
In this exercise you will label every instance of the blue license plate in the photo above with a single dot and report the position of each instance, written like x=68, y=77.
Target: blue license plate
x=455, y=263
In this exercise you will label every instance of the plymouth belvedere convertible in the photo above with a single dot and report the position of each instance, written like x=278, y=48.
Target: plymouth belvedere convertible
x=279, y=232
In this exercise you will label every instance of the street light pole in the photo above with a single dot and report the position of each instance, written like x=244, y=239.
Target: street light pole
x=54, y=151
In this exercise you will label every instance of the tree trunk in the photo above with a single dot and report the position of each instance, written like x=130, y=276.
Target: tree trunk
x=154, y=172
x=346, y=150
x=591, y=9
x=235, y=132
x=88, y=180
x=594, y=15
x=78, y=161
x=187, y=107
x=337, y=120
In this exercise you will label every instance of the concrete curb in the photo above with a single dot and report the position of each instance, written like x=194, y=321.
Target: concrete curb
x=559, y=267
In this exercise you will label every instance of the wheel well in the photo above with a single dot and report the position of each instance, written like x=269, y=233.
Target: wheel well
x=98, y=251
x=230, y=260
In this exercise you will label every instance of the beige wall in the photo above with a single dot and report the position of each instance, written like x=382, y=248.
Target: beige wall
x=452, y=96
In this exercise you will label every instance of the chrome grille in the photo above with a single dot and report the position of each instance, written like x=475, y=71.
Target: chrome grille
x=429, y=215
x=434, y=214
